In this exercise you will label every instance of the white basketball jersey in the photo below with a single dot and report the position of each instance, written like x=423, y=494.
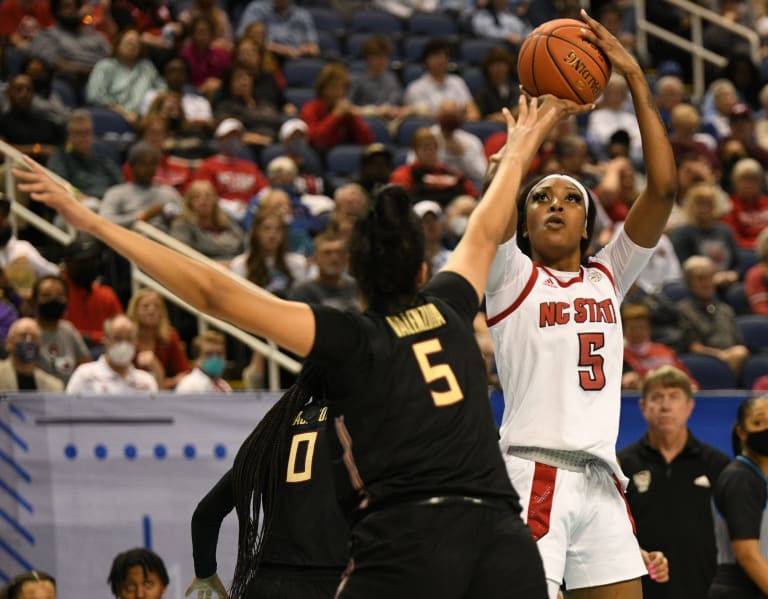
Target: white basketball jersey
x=559, y=348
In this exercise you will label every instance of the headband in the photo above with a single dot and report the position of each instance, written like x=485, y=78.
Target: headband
x=576, y=182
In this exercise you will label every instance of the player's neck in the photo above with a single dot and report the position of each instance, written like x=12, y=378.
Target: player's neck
x=668, y=444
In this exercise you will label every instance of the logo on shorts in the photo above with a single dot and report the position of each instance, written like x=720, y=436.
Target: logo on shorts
x=642, y=480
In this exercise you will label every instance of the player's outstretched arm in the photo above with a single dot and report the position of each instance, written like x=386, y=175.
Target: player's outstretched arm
x=490, y=220
x=648, y=216
x=289, y=324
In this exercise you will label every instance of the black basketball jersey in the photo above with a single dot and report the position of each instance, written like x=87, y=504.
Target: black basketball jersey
x=307, y=527
x=409, y=401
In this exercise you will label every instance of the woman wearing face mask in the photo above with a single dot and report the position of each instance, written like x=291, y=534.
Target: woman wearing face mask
x=62, y=347
x=19, y=371
x=206, y=376
x=740, y=497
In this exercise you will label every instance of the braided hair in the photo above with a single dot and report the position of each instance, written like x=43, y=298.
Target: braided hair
x=256, y=480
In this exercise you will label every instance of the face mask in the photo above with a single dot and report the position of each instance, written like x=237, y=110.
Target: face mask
x=69, y=22
x=26, y=351
x=230, y=147
x=52, y=310
x=458, y=224
x=758, y=442
x=213, y=366
x=121, y=353
x=5, y=235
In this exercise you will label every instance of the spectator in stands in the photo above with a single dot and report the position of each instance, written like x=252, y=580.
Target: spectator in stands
x=351, y=199
x=260, y=110
x=376, y=164
x=263, y=59
x=204, y=226
x=672, y=475
x=641, y=355
x=761, y=118
x=756, y=278
x=425, y=94
x=720, y=97
x=500, y=89
x=159, y=349
x=121, y=81
x=404, y=9
x=669, y=92
x=708, y=324
x=617, y=189
x=749, y=204
x=235, y=179
x=70, y=48
x=458, y=149
x=435, y=253
x=49, y=101
x=21, y=20
x=141, y=199
x=16, y=253
x=171, y=170
x=19, y=371
x=294, y=138
x=428, y=179
x=291, y=31
x=743, y=129
x=686, y=137
x=210, y=359
x=611, y=115
x=377, y=90
x=207, y=62
x=91, y=173
x=693, y=169
x=500, y=20
x=222, y=26
x=331, y=117
x=61, y=348
x=183, y=138
x=195, y=107
x=267, y=262
x=138, y=573
x=30, y=585
x=277, y=200
x=704, y=235
x=332, y=286
x=24, y=126
x=456, y=218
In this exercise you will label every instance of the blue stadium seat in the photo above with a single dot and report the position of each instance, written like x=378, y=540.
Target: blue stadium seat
x=108, y=123
x=710, y=372
x=472, y=51
x=474, y=78
x=755, y=367
x=102, y=147
x=736, y=298
x=483, y=128
x=413, y=47
x=747, y=259
x=411, y=72
x=327, y=19
x=675, y=290
x=375, y=21
x=401, y=157
x=432, y=24
x=298, y=96
x=65, y=92
x=408, y=127
x=344, y=160
x=312, y=161
x=380, y=131
x=754, y=331
x=330, y=49
x=14, y=61
x=302, y=72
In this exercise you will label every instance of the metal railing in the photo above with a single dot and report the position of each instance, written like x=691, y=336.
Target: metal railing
x=695, y=45
x=275, y=358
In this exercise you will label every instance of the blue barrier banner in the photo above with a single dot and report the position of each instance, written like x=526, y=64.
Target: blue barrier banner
x=84, y=479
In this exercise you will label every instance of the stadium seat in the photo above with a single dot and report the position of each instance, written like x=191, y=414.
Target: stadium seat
x=327, y=19
x=401, y=157
x=754, y=331
x=710, y=372
x=432, y=24
x=65, y=92
x=408, y=127
x=755, y=367
x=330, y=49
x=411, y=72
x=675, y=290
x=298, y=96
x=737, y=299
x=102, y=147
x=375, y=21
x=312, y=161
x=747, y=259
x=473, y=77
x=302, y=72
x=108, y=123
x=380, y=131
x=472, y=51
x=413, y=47
x=344, y=160
x=482, y=128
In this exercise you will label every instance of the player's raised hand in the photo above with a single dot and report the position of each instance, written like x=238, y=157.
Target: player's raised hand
x=621, y=60
x=206, y=587
x=44, y=189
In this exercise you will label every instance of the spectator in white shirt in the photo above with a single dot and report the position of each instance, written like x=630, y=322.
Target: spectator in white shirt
x=209, y=349
x=456, y=148
x=113, y=373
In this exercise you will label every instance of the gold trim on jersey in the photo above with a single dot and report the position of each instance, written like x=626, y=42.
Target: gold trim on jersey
x=416, y=320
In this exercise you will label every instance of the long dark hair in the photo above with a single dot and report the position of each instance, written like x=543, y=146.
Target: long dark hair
x=387, y=249
x=256, y=479
x=256, y=270
x=524, y=243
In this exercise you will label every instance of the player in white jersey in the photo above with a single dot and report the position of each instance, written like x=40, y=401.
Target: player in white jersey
x=559, y=346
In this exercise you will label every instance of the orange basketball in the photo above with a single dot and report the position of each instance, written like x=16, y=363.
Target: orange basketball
x=555, y=59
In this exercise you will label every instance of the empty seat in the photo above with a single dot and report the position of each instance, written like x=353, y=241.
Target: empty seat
x=754, y=367
x=737, y=298
x=302, y=72
x=330, y=49
x=432, y=23
x=754, y=331
x=483, y=128
x=375, y=21
x=473, y=77
x=298, y=96
x=380, y=131
x=356, y=41
x=413, y=47
x=710, y=372
x=409, y=126
x=344, y=160
x=675, y=290
x=473, y=51
x=411, y=71
x=108, y=123
x=327, y=19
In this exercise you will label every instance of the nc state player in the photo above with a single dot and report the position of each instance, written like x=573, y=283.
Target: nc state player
x=558, y=339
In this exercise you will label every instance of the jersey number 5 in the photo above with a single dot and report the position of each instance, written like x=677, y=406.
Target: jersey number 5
x=299, y=476
x=434, y=372
x=591, y=373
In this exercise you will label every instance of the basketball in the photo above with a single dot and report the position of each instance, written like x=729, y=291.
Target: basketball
x=555, y=59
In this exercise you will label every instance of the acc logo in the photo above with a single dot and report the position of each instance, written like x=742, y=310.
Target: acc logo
x=595, y=276
x=642, y=480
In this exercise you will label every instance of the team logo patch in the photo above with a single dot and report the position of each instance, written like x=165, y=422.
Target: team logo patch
x=595, y=276
x=702, y=481
x=642, y=480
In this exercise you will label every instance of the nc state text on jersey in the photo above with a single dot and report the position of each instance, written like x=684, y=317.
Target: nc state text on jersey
x=584, y=309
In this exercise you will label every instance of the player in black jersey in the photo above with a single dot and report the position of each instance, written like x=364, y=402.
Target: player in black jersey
x=432, y=511
x=300, y=549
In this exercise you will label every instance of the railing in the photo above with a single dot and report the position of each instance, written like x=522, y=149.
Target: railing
x=699, y=54
x=275, y=358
